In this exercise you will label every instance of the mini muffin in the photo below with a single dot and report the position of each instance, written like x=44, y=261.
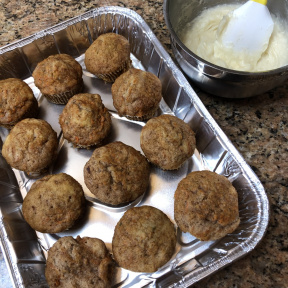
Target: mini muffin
x=117, y=173
x=108, y=56
x=59, y=77
x=85, y=121
x=31, y=146
x=54, y=203
x=17, y=102
x=81, y=262
x=167, y=141
x=206, y=205
x=137, y=94
x=144, y=239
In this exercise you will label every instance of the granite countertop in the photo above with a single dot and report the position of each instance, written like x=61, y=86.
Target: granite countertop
x=258, y=127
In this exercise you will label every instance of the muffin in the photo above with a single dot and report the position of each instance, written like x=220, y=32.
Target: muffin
x=59, y=77
x=137, y=94
x=31, y=146
x=117, y=173
x=167, y=141
x=85, y=121
x=206, y=205
x=144, y=239
x=81, y=262
x=54, y=203
x=17, y=102
x=108, y=56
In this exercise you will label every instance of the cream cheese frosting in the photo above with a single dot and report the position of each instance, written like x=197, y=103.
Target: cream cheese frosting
x=203, y=37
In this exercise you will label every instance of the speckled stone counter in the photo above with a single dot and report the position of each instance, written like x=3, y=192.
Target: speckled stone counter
x=257, y=126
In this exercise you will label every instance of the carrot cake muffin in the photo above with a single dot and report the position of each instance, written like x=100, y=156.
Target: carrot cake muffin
x=31, y=146
x=54, y=203
x=206, y=205
x=85, y=121
x=144, y=239
x=17, y=102
x=108, y=56
x=81, y=262
x=117, y=173
x=137, y=94
x=167, y=141
x=59, y=77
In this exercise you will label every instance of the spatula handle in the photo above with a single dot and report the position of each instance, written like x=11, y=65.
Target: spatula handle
x=264, y=2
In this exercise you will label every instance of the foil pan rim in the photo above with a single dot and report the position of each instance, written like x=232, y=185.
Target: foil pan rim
x=257, y=235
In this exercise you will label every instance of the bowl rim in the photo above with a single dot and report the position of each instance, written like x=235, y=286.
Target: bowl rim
x=217, y=68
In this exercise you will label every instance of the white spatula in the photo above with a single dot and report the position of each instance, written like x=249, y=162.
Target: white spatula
x=249, y=28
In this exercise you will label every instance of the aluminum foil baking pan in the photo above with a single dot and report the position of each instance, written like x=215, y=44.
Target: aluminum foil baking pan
x=25, y=250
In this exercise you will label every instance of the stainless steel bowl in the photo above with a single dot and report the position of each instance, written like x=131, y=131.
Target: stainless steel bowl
x=209, y=77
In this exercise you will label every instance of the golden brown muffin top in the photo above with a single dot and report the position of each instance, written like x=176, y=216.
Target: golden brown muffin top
x=81, y=262
x=117, y=173
x=167, y=141
x=107, y=54
x=206, y=205
x=57, y=74
x=16, y=98
x=136, y=93
x=31, y=145
x=85, y=120
x=144, y=239
x=54, y=203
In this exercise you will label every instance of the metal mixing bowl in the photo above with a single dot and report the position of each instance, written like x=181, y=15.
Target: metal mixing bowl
x=212, y=78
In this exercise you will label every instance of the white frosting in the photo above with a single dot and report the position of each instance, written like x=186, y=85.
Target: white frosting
x=201, y=36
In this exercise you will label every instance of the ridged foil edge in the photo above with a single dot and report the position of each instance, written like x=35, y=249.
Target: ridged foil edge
x=255, y=185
